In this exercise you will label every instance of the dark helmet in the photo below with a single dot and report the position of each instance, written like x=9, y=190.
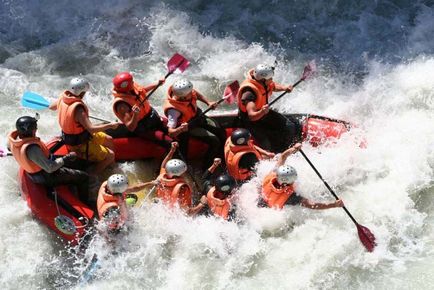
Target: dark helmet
x=225, y=183
x=26, y=124
x=240, y=137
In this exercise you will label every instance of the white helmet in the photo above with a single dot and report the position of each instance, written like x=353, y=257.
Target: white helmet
x=78, y=86
x=117, y=183
x=286, y=174
x=182, y=87
x=175, y=167
x=263, y=71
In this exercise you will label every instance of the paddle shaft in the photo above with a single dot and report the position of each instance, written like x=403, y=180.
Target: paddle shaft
x=328, y=186
x=43, y=104
x=207, y=110
x=284, y=93
x=181, y=156
x=159, y=85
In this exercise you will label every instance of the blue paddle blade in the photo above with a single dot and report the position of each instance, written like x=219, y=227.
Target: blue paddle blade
x=34, y=101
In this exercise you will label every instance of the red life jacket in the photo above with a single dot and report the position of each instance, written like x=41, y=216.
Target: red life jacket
x=133, y=99
x=18, y=148
x=219, y=207
x=262, y=93
x=233, y=154
x=187, y=109
x=273, y=196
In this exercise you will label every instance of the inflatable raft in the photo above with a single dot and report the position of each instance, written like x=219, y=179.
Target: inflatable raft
x=76, y=217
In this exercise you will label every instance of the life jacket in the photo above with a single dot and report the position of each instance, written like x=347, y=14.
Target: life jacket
x=105, y=201
x=233, y=154
x=219, y=207
x=188, y=109
x=174, y=190
x=273, y=196
x=73, y=133
x=18, y=148
x=139, y=95
x=262, y=93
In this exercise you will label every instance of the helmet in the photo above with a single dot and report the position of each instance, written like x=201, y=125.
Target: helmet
x=286, y=174
x=123, y=82
x=78, y=86
x=240, y=137
x=182, y=87
x=225, y=183
x=25, y=125
x=117, y=183
x=175, y=167
x=263, y=71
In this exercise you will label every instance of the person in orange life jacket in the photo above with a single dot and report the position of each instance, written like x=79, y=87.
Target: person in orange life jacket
x=141, y=119
x=278, y=187
x=34, y=157
x=78, y=133
x=219, y=196
x=241, y=154
x=273, y=131
x=114, y=196
x=181, y=107
x=172, y=188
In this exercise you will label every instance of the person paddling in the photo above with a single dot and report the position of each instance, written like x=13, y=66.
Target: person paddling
x=114, y=196
x=131, y=106
x=185, y=120
x=273, y=131
x=34, y=157
x=172, y=188
x=219, y=197
x=78, y=133
x=278, y=188
x=241, y=155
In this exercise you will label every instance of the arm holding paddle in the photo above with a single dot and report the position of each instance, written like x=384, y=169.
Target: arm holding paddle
x=285, y=154
x=154, y=86
x=317, y=205
x=82, y=117
x=202, y=98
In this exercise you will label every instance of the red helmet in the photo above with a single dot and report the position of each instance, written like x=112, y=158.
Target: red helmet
x=123, y=82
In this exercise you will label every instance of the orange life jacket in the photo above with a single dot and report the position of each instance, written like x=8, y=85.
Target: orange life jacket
x=233, y=154
x=219, y=207
x=174, y=190
x=18, y=148
x=273, y=196
x=262, y=93
x=106, y=201
x=188, y=109
x=139, y=95
x=73, y=132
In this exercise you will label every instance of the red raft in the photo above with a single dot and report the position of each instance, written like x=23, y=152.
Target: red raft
x=314, y=129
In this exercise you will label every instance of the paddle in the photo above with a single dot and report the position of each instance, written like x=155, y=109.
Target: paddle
x=34, y=101
x=365, y=235
x=88, y=273
x=229, y=96
x=3, y=153
x=309, y=69
x=176, y=62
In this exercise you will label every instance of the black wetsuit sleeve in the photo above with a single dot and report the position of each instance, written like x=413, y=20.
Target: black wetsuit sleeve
x=294, y=199
x=206, y=185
